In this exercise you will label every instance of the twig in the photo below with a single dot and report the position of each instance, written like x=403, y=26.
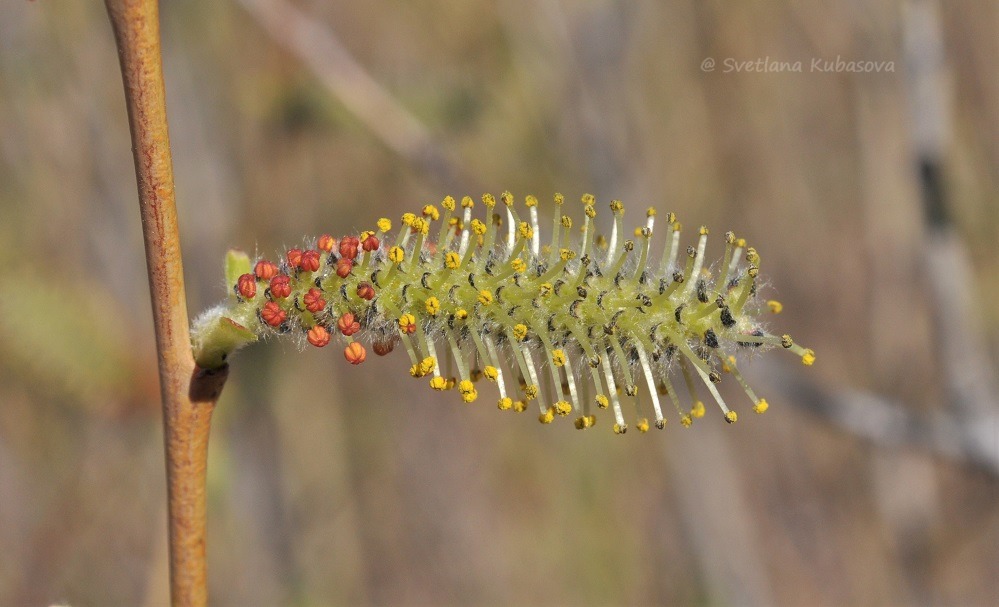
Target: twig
x=947, y=433
x=189, y=394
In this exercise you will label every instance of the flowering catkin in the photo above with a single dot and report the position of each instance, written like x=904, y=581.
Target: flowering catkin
x=573, y=325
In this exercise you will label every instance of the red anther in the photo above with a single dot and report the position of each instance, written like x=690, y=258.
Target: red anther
x=347, y=324
x=348, y=247
x=294, y=257
x=280, y=286
x=370, y=243
x=247, y=286
x=310, y=260
x=318, y=336
x=383, y=347
x=343, y=267
x=354, y=353
x=273, y=314
x=326, y=243
x=366, y=291
x=314, y=301
x=265, y=270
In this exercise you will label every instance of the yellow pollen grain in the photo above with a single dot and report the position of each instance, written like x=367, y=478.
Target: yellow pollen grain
x=406, y=321
x=518, y=265
x=431, y=212
x=558, y=198
x=420, y=225
x=620, y=428
x=396, y=254
x=491, y=373
x=489, y=200
x=467, y=202
x=384, y=224
x=519, y=332
x=566, y=254
x=697, y=411
x=808, y=358
x=433, y=306
x=485, y=297
x=563, y=408
x=566, y=221
x=602, y=401
x=548, y=416
x=530, y=392
x=448, y=203
x=731, y=417
x=590, y=211
x=685, y=421
x=461, y=314
x=761, y=406
x=775, y=306
x=407, y=218
x=438, y=383
x=617, y=207
x=525, y=231
x=519, y=406
x=588, y=199
x=545, y=290
x=531, y=201
x=505, y=404
x=452, y=260
x=650, y=212
x=478, y=227
x=558, y=358
x=427, y=365
x=643, y=425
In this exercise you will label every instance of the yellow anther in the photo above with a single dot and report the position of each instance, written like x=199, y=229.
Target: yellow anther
x=518, y=264
x=786, y=341
x=431, y=212
x=438, y=383
x=420, y=225
x=650, y=212
x=558, y=358
x=478, y=227
x=452, y=260
x=677, y=226
x=566, y=254
x=559, y=199
x=485, y=297
x=525, y=230
x=753, y=271
x=620, y=428
x=519, y=332
x=643, y=425
x=590, y=211
x=583, y=422
x=588, y=199
x=617, y=207
x=407, y=218
x=406, y=321
x=490, y=372
x=461, y=314
x=507, y=198
x=519, y=406
x=531, y=201
x=563, y=408
x=808, y=358
x=467, y=202
x=466, y=386
x=384, y=224
x=448, y=203
x=365, y=234
x=545, y=289
x=703, y=231
x=505, y=404
x=761, y=406
x=433, y=306
x=566, y=221
x=396, y=254
x=697, y=411
x=671, y=218
x=638, y=231
x=752, y=256
x=731, y=417
x=415, y=370
x=548, y=416
x=489, y=200
x=685, y=421
x=601, y=242
x=427, y=365
x=602, y=401
x=530, y=391
x=730, y=237
x=775, y=306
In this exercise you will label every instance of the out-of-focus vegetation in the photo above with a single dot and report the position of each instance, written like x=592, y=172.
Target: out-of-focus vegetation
x=335, y=485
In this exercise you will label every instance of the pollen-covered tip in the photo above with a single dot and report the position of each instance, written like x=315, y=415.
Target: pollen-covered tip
x=354, y=353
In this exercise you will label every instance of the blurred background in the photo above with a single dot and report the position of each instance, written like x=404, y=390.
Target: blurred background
x=872, y=198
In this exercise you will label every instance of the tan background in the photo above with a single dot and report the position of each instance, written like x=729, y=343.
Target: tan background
x=337, y=485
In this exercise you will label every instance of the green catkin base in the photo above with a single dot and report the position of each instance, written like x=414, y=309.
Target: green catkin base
x=494, y=299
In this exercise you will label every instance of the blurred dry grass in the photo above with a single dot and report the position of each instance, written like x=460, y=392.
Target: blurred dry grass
x=334, y=486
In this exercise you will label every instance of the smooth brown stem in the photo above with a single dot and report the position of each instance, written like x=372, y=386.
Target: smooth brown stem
x=189, y=394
